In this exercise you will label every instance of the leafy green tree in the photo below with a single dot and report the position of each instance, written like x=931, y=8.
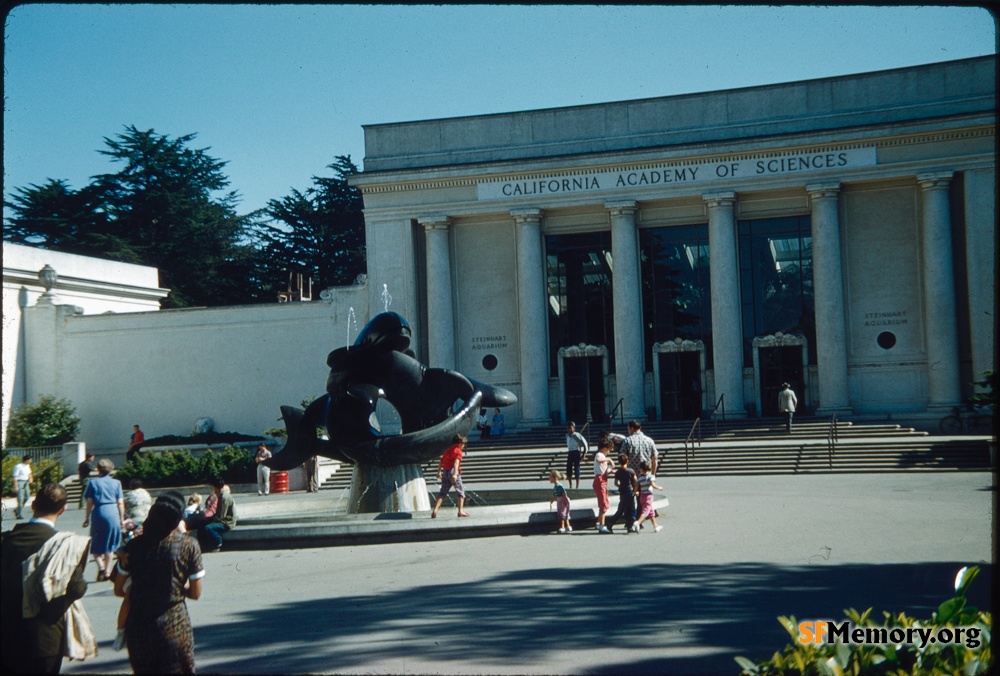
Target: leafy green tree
x=54, y=216
x=50, y=422
x=166, y=207
x=164, y=201
x=319, y=232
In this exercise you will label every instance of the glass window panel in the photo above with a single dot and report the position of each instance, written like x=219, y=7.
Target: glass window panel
x=776, y=280
x=579, y=284
x=676, y=292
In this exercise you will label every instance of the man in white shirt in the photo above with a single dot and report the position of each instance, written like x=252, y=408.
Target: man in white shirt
x=22, y=478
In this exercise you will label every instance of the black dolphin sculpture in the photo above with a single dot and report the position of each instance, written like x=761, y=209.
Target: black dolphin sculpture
x=433, y=404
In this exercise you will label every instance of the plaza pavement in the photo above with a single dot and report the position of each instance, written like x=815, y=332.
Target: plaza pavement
x=736, y=552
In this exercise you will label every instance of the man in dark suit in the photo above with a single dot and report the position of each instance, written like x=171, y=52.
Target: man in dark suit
x=35, y=645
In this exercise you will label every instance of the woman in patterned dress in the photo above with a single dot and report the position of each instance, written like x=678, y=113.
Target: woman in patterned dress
x=165, y=567
x=105, y=516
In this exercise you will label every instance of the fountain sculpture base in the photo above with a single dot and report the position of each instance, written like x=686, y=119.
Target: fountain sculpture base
x=400, y=488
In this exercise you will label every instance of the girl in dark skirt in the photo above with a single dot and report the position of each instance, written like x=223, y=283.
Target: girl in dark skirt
x=165, y=568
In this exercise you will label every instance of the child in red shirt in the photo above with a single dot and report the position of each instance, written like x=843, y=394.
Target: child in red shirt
x=450, y=474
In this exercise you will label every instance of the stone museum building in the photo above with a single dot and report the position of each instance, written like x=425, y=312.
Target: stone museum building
x=662, y=255
x=653, y=259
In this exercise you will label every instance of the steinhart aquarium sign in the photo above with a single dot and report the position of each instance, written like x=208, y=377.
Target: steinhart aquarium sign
x=679, y=174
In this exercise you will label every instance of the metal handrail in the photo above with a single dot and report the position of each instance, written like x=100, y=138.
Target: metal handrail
x=690, y=439
x=831, y=439
x=715, y=419
x=620, y=406
x=37, y=453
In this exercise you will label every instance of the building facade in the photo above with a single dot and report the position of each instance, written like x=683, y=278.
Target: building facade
x=653, y=258
x=83, y=285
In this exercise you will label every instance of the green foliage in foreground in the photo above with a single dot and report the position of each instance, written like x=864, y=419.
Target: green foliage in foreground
x=45, y=472
x=838, y=659
x=182, y=468
x=50, y=422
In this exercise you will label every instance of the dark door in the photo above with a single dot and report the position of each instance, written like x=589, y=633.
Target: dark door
x=680, y=385
x=778, y=365
x=584, y=389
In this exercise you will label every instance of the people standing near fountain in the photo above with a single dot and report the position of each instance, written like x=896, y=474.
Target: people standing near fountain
x=603, y=465
x=561, y=498
x=628, y=487
x=576, y=450
x=639, y=448
x=106, y=503
x=647, y=483
x=84, y=470
x=450, y=474
x=312, y=472
x=263, y=471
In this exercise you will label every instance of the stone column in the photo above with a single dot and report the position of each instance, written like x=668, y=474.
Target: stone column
x=939, y=292
x=533, y=318
x=440, y=310
x=828, y=289
x=627, y=295
x=727, y=323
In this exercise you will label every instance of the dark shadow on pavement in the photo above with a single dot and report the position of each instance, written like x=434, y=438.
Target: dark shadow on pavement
x=522, y=616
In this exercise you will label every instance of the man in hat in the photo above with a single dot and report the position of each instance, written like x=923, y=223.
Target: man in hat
x=786, y=404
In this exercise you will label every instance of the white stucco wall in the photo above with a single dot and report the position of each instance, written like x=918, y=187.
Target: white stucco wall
x=94, y=285
x=165, y=370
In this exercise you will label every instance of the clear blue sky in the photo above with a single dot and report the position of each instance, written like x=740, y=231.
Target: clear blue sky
x=278, y=91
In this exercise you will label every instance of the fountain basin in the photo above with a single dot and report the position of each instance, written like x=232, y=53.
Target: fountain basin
x=300, y=521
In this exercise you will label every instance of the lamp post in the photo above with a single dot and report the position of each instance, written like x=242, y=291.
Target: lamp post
x=47, y=277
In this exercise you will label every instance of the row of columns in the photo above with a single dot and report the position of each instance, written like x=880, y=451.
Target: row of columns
x=727, y=329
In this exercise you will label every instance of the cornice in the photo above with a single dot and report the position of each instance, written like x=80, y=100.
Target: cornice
x=471, y=181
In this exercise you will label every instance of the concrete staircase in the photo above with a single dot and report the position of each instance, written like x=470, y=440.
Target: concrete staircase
x=745, y=447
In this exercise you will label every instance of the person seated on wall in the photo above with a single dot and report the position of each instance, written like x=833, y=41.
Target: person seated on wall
x=210, y=533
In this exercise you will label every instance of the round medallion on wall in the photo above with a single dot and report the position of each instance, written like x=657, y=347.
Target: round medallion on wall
x=886, y=340
x=489, y=362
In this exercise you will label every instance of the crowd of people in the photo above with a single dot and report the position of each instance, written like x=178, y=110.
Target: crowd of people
x=634, y=476
x=150, y=549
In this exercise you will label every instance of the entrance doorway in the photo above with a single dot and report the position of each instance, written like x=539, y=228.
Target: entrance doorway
x=780, y=358
x=778, y=365
x=678, y=379
x=583, y=374
x=585, y=390
x=680, y=385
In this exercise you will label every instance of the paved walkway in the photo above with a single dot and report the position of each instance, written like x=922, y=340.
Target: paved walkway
x=736, y=553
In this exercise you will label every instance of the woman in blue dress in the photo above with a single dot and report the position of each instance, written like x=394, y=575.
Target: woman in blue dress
x=499, y=427
x=106, y=504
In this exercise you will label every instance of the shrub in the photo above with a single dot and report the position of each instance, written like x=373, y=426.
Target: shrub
x=837, y=658
x=50, y=422
x=181, y=468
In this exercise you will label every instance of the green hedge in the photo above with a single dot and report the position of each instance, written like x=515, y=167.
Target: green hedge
x=181, y=468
